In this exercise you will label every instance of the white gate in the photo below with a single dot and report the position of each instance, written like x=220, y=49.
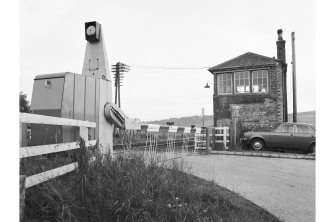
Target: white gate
x=221, y=137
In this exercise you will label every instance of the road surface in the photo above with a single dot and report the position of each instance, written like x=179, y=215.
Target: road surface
x=284, y=187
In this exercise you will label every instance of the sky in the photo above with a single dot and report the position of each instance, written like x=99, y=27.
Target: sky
x=172, y=33
x=175, y=33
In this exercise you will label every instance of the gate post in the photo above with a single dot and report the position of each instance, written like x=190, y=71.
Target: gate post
x=213, y=138
x=207, y=140
x=22, y=195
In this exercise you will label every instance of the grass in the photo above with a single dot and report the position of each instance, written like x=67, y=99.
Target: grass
x=125, y=188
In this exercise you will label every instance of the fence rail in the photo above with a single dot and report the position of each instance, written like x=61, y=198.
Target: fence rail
x=50, y=174
x=25, y=152
x=31, y=151
x=41, y=119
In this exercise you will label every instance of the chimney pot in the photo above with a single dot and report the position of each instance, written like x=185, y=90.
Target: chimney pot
x=281, y=46
x=280, y=34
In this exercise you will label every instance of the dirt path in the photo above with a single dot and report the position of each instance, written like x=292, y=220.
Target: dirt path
x=285, y=187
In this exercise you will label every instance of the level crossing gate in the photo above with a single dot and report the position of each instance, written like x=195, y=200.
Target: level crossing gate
x=158, y=143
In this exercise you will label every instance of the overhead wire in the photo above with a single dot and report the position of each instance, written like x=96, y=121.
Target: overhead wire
x=165, y=67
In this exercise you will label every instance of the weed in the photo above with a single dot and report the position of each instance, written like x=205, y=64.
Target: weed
x=125, y=188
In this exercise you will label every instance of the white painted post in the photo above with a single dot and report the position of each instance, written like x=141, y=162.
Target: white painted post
x=83, y=132
x=225, y=137
x=207, y=140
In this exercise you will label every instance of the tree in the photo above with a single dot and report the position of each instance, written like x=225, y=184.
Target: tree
x=24, y=103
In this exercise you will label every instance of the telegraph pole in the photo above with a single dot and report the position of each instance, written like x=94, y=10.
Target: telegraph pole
x=203, y=117
x=119, y=69
x=116, y=79
x=294, y=79
x=203, y=125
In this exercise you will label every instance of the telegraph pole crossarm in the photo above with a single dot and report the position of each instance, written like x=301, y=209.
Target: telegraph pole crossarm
x=119, y=69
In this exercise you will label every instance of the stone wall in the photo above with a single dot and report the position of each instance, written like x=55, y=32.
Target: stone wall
x=257, y=116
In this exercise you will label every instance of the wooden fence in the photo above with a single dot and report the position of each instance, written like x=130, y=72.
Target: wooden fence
x=30, y=151
x=221, y=137
x=217, y=137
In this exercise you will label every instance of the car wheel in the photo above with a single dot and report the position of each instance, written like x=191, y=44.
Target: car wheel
x=312, y=148
x=257, y=144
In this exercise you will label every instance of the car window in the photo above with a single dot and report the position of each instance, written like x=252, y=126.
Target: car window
x=302, y=129
x=278, y=129
x=287, y=128
x=311, y=129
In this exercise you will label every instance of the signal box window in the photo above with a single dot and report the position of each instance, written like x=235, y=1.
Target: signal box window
x=242, y=82
x=224, y=83
x=260, y=81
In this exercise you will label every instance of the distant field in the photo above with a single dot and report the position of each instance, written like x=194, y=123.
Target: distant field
x=303, y=117
x=186, y=121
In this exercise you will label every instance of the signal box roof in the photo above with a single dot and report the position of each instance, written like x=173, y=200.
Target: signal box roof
x=248, y=59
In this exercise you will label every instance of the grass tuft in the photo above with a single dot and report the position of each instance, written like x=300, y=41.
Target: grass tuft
x=125, y=188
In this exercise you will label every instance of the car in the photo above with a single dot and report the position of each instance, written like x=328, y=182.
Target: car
x=289, y=136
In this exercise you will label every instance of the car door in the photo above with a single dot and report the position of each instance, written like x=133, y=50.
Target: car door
x=283, y=137
x=302, y=137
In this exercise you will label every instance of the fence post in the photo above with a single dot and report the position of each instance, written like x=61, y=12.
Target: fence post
x=23, y=134
x=22, y=195
x=207, y=140
x=195, y=142
x=225, y=137
x=213, y=138
x=83, y=132
x=235, y=131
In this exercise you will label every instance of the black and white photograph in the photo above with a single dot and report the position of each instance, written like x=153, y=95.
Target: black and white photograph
x=179, y=110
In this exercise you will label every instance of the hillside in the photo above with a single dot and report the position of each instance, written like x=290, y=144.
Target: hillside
x=303, y=117
x=186, y=121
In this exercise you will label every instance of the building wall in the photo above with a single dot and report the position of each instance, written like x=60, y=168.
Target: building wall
x=255, y=111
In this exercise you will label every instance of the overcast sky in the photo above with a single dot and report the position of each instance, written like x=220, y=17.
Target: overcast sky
x=174, y=33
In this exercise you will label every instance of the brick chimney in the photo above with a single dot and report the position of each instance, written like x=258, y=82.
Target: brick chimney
x=281, y=55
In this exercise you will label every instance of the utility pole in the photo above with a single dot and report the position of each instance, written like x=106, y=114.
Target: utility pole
x=116, y=79
x=119, y=69
x=203, y=117
x=203, y=125
x=294, y=79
